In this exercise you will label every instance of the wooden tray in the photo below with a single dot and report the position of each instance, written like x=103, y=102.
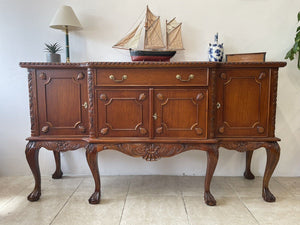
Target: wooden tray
x=246, y=57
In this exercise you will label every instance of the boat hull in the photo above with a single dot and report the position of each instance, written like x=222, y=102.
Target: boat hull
x=140, y=55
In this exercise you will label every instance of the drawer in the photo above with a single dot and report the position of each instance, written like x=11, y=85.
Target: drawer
x=152, y=77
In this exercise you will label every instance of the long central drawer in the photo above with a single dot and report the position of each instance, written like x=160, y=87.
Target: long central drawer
x=152, y=77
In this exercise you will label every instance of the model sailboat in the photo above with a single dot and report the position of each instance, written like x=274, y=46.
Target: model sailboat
x=154, y=47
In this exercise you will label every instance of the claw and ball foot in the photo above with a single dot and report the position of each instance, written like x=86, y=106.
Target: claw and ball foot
x=95, y=198
x=209, y=199
x=34, y=195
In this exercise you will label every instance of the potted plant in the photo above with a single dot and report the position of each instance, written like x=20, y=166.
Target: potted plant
x=296, y=48
x=52, y=49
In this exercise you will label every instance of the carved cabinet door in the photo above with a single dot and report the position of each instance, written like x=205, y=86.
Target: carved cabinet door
x=62, y=102
x=123, y=112
x=180, y=113
x=243, y=102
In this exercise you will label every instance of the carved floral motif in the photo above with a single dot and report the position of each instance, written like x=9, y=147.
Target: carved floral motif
x=153, y=152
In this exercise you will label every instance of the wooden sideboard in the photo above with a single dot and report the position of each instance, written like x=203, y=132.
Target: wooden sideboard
x=153, y=110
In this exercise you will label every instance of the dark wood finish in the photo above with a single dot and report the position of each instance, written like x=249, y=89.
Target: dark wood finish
x=273, y=153
x=248, y=174
x=180, y=113
x=62, y=101
x=152, y=76
x=32, y=156
x=91, y=156
x=243, y=102
x=123, y=112
x=58, y=172
x=153, y=110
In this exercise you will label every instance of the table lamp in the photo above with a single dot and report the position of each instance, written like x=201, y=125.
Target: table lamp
x=65, y=19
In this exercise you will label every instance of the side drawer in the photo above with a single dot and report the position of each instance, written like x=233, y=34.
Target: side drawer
x=152, y=77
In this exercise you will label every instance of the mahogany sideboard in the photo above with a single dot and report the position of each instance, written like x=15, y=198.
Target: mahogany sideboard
x=153, y=110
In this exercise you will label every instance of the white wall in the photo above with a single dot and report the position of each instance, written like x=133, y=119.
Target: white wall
x=243, y=26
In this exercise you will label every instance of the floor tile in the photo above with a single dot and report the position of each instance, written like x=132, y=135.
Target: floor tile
x=112, y=187
x=286, y=210
x=154, y=185
x=55, y=193
x=154, y=210
x=253, y=188
x=78, y=211
x=229, y=210
x=194, y=186
x=12, y=186
x=292, y=184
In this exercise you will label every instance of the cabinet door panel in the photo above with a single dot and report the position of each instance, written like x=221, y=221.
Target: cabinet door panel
x=180, y=113
x=243, y=102
x=123, y=113
x=61, y=102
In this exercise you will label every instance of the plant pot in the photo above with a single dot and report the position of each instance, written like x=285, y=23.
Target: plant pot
x=53, y=57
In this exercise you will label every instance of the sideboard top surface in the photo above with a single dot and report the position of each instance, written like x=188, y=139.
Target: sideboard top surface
x=203, y=64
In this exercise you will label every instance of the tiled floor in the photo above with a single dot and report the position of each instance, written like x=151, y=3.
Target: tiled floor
x=142, y=200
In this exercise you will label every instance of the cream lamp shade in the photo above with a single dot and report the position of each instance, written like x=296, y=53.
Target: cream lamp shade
x=65, y=19
x=65, y=16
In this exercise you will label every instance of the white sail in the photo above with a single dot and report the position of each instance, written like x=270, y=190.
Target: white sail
x=173, y=31
x=131, y=40
x=153, y=34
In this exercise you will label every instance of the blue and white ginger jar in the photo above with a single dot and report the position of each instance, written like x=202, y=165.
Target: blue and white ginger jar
x=215, y=51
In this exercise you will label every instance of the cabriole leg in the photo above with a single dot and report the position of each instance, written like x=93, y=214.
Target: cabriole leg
x=58, y=173
x=248, y=174
x=273, y=153
x=92, y=159
x=212, y=160
x=32, y=156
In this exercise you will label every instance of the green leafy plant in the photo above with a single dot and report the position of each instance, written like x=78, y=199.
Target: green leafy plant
x=296, y=48
x=53, y=48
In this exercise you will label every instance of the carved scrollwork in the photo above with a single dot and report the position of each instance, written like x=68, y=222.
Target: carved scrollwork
x=221, y=129
x=152, y=152
x=60, y=146
x=199, y=130
x=159, y=130
x=262, y=76
x=91, y=102
x=149, y=152
x=143, y=131
x=160, y=96
x=45, y=129
x=81, y=128
x=260, y=129
x=103, y=97
x=104, y=130
x=142, y=97
x=242, y=146
x=223, y=76
x=43, y=76
x=80, y=76
x=200, y=96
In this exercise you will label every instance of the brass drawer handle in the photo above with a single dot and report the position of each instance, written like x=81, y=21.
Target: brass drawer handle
x=218, y=105
x=191, y=77
x=155, y=116
x=112, y=77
